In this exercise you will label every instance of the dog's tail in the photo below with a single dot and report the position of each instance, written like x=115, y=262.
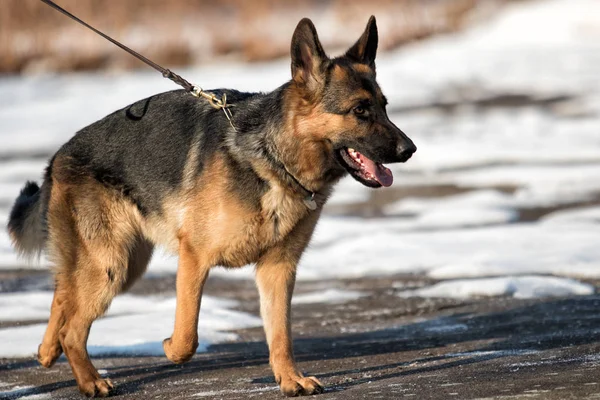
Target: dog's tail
x=27, y=221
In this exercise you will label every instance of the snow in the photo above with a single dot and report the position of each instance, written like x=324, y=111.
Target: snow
x=22, y=392
x=481, y=207
x=220, y=393
x=505, y=157
x=585, y=215
x=137, y=324
x=330, y=296
x=523, y=287
x=593, y=359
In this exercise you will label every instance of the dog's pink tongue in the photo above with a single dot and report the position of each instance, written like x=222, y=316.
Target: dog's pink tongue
x=381, y=173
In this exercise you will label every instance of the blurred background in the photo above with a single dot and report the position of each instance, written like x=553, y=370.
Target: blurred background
x=35, y=38
x=502, y=99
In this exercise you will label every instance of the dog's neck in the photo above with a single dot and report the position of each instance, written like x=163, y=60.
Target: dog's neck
x=269, y=130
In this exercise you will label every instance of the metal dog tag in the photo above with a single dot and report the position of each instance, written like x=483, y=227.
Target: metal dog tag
x=310, y=203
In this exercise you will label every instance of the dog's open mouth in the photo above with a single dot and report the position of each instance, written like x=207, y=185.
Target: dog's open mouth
x=365, y=170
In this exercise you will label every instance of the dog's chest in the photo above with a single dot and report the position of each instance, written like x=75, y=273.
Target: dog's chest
x=235, y=234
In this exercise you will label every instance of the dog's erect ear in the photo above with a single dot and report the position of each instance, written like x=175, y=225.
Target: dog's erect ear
x=308, y=57
x=365, y=50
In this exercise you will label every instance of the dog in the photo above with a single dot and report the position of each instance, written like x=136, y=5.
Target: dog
x=173, y=171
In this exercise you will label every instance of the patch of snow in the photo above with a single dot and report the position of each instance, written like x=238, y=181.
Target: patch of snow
x=218, y=393
x=133, y=326
x=24, y=392
x=331, y=296
x=475, y=208
x=586, y=215
x=441, y=325
x=496, y=353
x=350, y=247
x=25, y=306
x=523, y=287
x=591, y=358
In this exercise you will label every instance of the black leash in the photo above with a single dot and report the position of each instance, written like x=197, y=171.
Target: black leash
x=165, y=72
x=188, y=87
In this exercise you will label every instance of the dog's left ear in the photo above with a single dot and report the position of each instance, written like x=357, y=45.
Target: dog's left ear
x=365, y=50
x=308, y=56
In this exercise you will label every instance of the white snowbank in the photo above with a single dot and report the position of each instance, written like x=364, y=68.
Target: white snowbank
x=133, y=325
x=350, y=247
x=523, y=287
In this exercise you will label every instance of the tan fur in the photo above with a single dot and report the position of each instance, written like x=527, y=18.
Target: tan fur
x=340, y=73
x=191, y=276
x=363, y=68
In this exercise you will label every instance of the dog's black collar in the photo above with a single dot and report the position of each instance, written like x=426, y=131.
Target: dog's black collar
x=309, y=198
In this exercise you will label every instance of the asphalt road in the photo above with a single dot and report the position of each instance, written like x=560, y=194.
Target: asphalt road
x=380, y=346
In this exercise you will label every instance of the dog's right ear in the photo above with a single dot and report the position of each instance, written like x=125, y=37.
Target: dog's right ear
x=308, y=57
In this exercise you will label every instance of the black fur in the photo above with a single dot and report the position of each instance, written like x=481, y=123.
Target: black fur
x=27, y=223
x=29, y=195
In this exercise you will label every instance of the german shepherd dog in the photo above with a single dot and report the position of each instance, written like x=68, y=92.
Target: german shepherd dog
x=171, y=170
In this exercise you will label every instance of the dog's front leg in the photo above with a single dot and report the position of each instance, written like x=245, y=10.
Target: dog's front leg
x=275, y=278
x=191, y=276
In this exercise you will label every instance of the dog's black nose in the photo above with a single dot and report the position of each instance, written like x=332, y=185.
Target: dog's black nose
x=407, y=152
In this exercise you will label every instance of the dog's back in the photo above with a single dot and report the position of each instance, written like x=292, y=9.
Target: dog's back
x=140, y=151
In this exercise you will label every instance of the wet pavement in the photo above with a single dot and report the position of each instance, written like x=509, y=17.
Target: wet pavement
x=377, y=346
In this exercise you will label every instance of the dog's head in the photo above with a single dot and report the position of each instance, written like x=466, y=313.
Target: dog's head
x=341, y=108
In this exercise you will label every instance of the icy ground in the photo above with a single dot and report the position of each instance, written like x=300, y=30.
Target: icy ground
x=502, y=197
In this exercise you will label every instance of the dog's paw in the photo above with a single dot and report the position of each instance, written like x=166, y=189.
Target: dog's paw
x=293, y=386
x=177, y=355
x=48, y=356
x=96, y=388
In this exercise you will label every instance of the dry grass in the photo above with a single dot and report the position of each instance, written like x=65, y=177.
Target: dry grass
x=34, y=37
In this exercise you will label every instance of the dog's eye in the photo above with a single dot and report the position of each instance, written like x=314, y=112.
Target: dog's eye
x=359, y=110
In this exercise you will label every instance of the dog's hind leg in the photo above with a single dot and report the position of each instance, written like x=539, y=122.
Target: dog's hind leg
x=91, y=237
x=50, y=349
x=88, y=304
x=62, y=249
x=104, y=279
x=192, y=273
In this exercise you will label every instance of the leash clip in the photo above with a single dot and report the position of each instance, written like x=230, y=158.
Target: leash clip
x=215, y=102
x=212, y=99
